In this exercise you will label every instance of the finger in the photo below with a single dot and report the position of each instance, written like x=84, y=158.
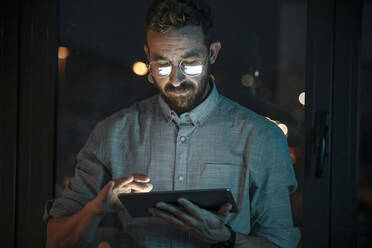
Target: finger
x=97, y=204
x=180, y=224
x=123, y=181
x=110, y=185
x=141, y=178
x=224, y=209
x=134, y=188
x=191, y=208
x=178, y=212
x=122, y=190
x=140, y=187
x=170, y=219
x=107, y=188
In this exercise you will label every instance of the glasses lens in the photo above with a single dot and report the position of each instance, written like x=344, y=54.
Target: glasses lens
x=161, y=69
x=192, y=69
x=164, y=69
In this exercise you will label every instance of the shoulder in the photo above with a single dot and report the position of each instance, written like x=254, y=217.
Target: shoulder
x=240, y=116
x=128, y=116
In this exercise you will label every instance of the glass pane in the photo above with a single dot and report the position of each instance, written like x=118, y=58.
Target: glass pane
x=365, y=174
x=261, y=66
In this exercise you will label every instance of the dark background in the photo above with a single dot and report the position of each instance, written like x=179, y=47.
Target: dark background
x=43, y=124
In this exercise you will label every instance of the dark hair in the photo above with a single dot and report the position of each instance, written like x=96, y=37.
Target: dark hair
x=164, y=15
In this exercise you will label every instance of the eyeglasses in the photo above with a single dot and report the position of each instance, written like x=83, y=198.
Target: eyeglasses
x=164, y=68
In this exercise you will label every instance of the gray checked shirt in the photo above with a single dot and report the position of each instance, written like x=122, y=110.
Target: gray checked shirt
x=219, y=144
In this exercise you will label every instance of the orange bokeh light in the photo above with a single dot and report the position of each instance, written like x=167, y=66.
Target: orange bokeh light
x=63, y=52
x=140, y=68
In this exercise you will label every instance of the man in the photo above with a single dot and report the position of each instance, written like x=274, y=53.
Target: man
x=188, y=137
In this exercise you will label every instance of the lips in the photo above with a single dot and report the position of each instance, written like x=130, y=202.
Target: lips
x=179, y=91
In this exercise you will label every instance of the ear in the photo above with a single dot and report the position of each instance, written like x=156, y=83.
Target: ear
x=146, y=49
x=214, y=49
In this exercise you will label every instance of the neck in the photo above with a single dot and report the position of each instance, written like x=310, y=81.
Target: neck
x=208, y=89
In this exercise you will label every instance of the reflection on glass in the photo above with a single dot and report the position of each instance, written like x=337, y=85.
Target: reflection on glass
x=261, y=66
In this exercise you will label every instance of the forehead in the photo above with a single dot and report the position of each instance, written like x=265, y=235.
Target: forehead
x=176, y=42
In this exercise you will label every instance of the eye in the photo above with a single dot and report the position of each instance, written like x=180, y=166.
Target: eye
x=163, y=63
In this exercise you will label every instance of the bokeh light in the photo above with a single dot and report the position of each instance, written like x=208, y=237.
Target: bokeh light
x=104, y=244
x=284, y=128
x=301, y=98
x=140, y=68
x=293, y=155
x=63, y=52
x=247, y=80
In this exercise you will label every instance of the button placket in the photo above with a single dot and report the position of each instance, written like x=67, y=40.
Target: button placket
x=180, y=172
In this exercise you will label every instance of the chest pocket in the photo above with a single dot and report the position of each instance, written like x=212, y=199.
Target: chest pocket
x=213, y=176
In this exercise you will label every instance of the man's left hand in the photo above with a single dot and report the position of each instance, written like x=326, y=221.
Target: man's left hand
x=202, y=224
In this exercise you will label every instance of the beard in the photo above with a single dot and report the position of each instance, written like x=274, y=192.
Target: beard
x=193, y=94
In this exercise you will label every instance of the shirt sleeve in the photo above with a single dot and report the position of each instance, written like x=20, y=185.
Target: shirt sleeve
x=90, y=176
x=272, y=180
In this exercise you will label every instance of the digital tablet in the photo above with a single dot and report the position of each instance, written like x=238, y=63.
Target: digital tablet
x=138, y=204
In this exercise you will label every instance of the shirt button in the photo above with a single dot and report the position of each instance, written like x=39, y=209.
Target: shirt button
x=183, y=139
x=180, y=178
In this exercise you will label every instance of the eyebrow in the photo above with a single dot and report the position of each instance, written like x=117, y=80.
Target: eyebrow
x=188, y=54
x=158, y=57
x=192, y=53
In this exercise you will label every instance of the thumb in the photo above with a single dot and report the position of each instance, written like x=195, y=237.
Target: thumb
x=104, y=192
x=224, y=209
x=98, y=203
x=111, y=185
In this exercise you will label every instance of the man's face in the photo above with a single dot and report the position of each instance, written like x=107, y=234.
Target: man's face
x=180, y=91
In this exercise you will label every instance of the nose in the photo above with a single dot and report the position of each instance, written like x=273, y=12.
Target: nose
x=176, y=77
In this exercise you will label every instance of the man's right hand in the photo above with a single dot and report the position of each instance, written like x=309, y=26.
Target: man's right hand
x=69, y=231
x=107, y=200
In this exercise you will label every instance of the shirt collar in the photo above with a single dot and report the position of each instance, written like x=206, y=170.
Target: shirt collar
x=196, y=116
